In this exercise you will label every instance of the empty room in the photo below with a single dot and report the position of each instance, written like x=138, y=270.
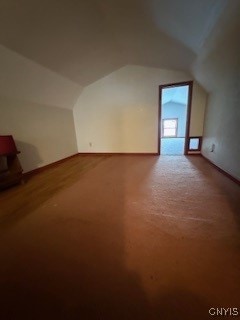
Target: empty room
x=119, y=159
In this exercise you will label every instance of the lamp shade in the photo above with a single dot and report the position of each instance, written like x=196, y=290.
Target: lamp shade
x=7, y=145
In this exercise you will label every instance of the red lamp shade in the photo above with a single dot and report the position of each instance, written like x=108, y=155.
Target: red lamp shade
x=7, y=145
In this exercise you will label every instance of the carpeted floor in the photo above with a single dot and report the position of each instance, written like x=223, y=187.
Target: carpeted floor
x=131, y=237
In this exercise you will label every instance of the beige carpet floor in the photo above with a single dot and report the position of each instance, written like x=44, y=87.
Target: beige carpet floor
x=132, y=237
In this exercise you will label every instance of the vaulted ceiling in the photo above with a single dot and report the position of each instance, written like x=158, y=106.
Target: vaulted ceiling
x=86, y=40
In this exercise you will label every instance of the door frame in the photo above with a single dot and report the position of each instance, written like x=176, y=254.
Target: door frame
x=189, y=108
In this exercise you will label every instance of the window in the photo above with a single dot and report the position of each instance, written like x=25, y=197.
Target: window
x=170, y=127
x=194, y=143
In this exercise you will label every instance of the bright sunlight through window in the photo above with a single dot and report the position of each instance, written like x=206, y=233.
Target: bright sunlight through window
x=170, y=127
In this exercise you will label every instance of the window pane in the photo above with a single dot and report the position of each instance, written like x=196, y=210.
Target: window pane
x=169, y=123
x=169, y=132
x=194, y=144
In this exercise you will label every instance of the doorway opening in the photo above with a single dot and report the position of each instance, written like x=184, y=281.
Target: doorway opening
x=174, y=118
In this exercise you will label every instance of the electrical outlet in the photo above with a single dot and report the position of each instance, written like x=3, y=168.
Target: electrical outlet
x=90, y=144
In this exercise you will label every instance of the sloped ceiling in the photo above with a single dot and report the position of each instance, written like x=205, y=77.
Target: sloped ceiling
x=190, y=22
x=84, y=40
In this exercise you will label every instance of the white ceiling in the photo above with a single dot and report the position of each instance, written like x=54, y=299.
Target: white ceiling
x=188, y=21
x=86, y=40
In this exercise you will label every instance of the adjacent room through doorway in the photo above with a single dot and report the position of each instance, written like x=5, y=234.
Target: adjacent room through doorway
x=174, y=110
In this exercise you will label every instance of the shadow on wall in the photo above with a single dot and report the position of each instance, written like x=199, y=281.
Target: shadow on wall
x=29, y=156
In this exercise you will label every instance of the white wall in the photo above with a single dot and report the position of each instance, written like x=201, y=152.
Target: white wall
x=199, y=101
x=35, y=107
x=43, y=134
x=119, y=113
x=219, y=70
x=21, y=78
